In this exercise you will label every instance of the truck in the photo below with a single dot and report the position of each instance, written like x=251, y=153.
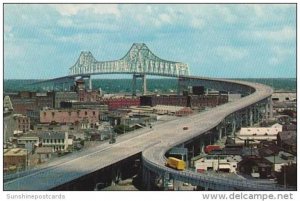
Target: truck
x=176, y=163
x=210, y=148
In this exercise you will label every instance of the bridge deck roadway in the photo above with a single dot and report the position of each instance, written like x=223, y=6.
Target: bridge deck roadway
x=153, y=143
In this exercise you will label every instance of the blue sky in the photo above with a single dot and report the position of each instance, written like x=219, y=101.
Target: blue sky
x=232, y=41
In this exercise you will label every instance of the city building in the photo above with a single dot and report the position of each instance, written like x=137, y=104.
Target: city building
x=281, y=159
x=284, y=96
x=287, y=140
x=44, y=154
x=89, y=96
x=194, y=101
x=268, y=148
x=122, y=102
x=255, y=166
x=140, y=109
x=257, y=134
x=64, y=96
x=87, y=118
x=57, y=140
x=204, y=101
x=223, y=163
x=22, y=123
x=85, y=105
x=289, y=127
x=172, y=110
x=7, y=104
x=44, y=100
x=31, y=101
x=15, y=159
x=34, y=116
x=284, y=107
x=172, y=100
x=27, y=139
x=56, y=127
x=9, y=125
x=21, y=105
x=142, y=119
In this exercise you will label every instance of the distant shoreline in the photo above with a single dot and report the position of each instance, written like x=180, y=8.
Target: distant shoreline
x=160, y=85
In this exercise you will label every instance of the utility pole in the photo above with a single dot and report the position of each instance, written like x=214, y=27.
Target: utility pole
x=284, y=176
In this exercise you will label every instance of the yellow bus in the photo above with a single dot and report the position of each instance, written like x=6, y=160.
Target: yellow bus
x=176, y=163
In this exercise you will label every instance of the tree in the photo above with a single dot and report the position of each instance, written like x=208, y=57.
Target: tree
x=287, y=175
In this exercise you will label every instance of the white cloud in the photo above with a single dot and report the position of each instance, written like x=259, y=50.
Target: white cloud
x=280, y=54
x=74, y=9
x=226, y=14
x=8, y=33
x=65, y=22
x=274, y=61
x=7, y=28
x=165, y=18
x=197, y=23
x=230, y=53
x=285, y=34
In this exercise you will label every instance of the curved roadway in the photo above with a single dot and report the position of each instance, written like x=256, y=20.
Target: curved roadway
x=154, y=158
x=153, y=144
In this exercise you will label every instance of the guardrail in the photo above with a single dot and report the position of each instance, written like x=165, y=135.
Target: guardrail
x=155, y=162
x=212, y=182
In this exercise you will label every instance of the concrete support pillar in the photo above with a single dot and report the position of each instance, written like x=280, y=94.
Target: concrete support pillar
x=246, y=117
x=254, y=115
x=134, y=85
x=90, y=83
x=266, y=111
x=165, y=180
x=220, y=133
x=148, y=184
x=193, y=150
x=146, y=179
x=179, y=86
x=250, y=117
x=144, y=85
x=233, y=124
x=201, y=146
x=270, y=103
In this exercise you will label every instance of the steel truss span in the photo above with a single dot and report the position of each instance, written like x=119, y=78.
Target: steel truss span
x=138, y=60
x=154, y=142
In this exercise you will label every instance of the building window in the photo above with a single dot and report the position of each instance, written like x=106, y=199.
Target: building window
x=53, y=114
x=94, y=113
x=85, y=113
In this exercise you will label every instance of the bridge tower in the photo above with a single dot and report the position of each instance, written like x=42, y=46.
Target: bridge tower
x=134, y=78
x=89, y=78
